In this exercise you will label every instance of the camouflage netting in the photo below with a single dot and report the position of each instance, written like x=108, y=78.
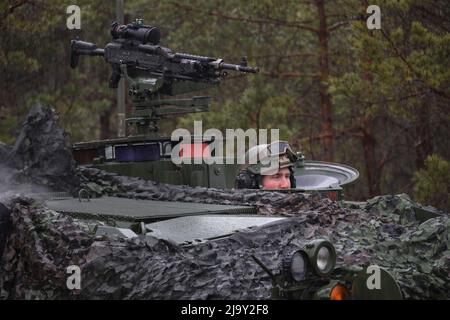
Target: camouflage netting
x=382, y=231
x=42, y=243
x=41, y=155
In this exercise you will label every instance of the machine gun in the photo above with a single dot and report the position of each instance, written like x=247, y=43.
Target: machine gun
x=153, y=70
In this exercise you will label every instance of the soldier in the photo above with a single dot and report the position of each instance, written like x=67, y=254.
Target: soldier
x=263, y=174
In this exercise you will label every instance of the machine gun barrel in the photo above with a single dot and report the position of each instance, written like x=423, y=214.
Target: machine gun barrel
x=217, y=63
x=213, y=62
x=237, y=67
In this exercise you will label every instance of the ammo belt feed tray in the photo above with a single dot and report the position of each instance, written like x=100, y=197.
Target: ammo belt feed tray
x=124, y=209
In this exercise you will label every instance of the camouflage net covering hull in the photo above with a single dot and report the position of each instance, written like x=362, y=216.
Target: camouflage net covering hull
x=383, y=231
x=42, y=243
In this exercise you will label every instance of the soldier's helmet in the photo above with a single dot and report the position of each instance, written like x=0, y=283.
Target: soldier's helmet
x=265, y=159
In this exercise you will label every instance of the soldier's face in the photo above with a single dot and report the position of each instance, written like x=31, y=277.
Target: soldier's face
x=280, y=180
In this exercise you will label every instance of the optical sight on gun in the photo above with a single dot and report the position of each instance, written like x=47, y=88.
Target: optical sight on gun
x=136, y=31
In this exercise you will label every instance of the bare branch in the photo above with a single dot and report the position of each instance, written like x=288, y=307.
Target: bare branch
x=15, y=6
x=250, y=20
x=417, y=74
x=387, y=99
x=292, y=74
x=288, y=56
x=347, y=132
x=338, y=25
x=309, y=115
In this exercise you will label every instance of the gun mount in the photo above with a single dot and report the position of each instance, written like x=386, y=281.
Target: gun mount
x=154, y=71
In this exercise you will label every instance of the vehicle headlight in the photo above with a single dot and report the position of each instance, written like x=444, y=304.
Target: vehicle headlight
x=322, y=256
x=299, y=266
x=295, y=264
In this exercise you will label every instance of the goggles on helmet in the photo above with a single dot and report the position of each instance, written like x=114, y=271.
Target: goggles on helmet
x=278, y=148
x=268, y=159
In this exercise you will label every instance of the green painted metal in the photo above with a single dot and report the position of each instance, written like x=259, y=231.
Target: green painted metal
x=366, y=286
x=324, y=177
x=164, y=171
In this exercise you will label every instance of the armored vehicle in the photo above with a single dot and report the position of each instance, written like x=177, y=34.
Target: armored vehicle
x=155, y=73
x=147, y=227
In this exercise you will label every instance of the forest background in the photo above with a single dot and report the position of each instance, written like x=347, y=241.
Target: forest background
x=377, y=100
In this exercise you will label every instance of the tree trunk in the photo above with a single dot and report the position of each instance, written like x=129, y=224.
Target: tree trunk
x=325, y=99
x=423, y=143
x=372, y=171
x=105, y=119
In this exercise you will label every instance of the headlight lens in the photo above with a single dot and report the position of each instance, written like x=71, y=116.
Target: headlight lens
x=318, y=255
x=323, y=259
x=298, y=266
x=322, y=256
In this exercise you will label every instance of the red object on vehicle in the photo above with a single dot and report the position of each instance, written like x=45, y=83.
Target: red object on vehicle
x=84, y=156
x=339, y=292
x=332, y=195
x=194, y=150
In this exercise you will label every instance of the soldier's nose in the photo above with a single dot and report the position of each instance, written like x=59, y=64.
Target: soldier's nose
x=285, y=184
